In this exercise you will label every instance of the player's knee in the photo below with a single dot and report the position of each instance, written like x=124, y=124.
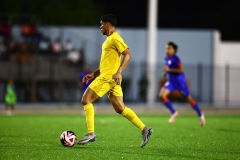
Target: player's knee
x=162, y=96
x=119, y=111
x=189, y=99
x=85, y=101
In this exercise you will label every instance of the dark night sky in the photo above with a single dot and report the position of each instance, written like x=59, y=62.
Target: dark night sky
x=185, y=14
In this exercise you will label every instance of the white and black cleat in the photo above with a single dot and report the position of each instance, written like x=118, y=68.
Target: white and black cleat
x=146, y=133
x=90, y=137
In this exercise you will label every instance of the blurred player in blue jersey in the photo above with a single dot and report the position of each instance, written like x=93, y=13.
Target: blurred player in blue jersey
x=176, y=81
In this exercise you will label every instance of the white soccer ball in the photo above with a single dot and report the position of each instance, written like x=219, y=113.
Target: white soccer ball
x=68, y=138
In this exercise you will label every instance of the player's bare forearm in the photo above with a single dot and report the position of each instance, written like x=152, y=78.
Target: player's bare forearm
x=125, y=61
x=174, y=70
x=91, y=76
x=126, y=58
x=164, y=76
x=96, y=73
x=177, y=70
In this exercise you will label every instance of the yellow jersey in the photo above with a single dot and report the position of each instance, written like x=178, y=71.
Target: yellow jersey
x=112, y=50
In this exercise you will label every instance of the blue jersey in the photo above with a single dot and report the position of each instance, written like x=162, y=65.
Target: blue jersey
x=174, y=62
x=85, y=84
x=176, y=81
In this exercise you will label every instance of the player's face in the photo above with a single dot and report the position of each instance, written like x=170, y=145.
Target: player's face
x=103, y=27
x=170, y=50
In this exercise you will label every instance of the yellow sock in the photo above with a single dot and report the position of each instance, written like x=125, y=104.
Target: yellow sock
x=131, y=116
x=89, y=110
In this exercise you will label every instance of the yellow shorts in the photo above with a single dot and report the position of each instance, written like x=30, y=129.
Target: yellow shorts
x=102, y=86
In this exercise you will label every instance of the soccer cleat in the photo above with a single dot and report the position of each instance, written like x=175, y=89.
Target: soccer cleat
x=202, y=120
x=173, y=117
x=90, y=137
x=146, y=133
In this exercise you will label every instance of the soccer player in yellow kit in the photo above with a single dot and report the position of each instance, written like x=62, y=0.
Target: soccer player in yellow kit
x=109, y=77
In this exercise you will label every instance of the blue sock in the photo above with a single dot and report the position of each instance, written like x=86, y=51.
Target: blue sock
x=168, y=104
x=196, y=108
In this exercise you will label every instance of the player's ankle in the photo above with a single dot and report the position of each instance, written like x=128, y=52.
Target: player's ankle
x=91, y=133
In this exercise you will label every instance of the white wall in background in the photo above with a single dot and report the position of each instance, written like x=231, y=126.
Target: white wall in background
x=226, y=84
x=229, y=53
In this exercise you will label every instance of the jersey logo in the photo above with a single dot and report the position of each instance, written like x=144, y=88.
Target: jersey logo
x=169, y=62
x=166, y=84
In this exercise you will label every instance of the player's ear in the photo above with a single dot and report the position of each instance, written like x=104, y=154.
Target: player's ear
x=107, y=24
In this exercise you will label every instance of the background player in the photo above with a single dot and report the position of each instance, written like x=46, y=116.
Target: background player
x=176, y=81
x=10, y=98
x=109, y=81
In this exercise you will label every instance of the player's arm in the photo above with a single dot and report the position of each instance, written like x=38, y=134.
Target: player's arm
x=180, y=69
x=91, y=76
x=126, y=58
x=164, y=76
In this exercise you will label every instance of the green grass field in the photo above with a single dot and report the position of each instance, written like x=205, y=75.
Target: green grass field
x=37, y=137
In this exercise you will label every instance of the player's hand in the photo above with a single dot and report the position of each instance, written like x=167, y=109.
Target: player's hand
x=88, y=77
x=164, y=78
x=166, y=68
x=117, y=77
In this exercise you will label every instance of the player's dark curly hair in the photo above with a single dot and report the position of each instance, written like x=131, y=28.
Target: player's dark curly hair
x=174, y=45
x=109, y=18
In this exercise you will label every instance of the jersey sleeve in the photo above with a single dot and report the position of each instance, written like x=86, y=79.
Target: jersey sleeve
x=120, y=44
x=178, y=61
x=166, y=61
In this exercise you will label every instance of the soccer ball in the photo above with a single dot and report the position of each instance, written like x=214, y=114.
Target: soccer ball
x=68, y=138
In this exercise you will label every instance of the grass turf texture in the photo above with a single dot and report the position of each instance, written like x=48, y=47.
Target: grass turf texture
x=37, y=137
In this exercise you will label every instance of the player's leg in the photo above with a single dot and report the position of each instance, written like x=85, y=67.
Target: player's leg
x=116, y=98
x=6, y=107
x=88, y=98
x=13, y=107
x=195, y=106
x=96, y=89
x=8, y=102
x=14, y=99
x=120, y=108
x=185, y=92
x=7, y=110
x=163, y=94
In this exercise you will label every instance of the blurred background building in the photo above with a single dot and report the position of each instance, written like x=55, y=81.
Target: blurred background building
x=45, y=45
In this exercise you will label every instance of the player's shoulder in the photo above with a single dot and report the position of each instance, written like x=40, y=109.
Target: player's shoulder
x=176, y=57
x=117, y=37
x=116, y=34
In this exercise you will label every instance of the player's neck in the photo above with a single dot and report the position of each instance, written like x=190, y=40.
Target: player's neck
x=110, y=32
x=171, y=55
